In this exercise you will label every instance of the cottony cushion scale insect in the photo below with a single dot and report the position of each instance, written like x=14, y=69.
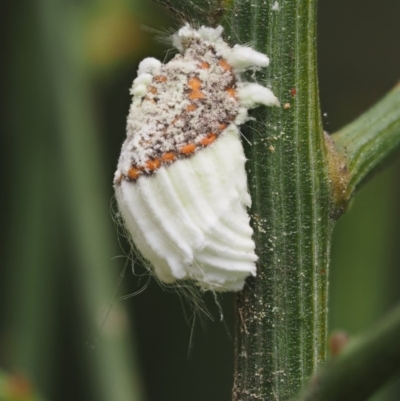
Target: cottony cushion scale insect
x=181, y=183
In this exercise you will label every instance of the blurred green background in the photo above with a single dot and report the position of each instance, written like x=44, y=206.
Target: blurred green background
x=66, y=69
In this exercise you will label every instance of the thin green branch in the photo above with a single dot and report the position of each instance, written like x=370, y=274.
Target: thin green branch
x=113, y=371
x=365, y=365
x=368, y=142
x=32, y=239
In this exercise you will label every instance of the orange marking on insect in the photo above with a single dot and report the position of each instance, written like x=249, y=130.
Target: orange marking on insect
x=187, y=149
x=195, y=84
x=196, y=95
x=210, y=138
x=204, y=65
x=191, y=107
x=134, y=173
x=153, y=164
x=225, y=65
x=222, y=126
x=231, y=92
x=160, y=78
x=153, y=90
x=168, y=157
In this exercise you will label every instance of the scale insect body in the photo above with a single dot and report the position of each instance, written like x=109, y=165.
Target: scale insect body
x=181, y=183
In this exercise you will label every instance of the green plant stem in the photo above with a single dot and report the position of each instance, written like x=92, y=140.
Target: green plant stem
x=365, y=364
x=369, y=141
x=114, y=374
x=31, y=241
x=297, y=185
x=281, y=314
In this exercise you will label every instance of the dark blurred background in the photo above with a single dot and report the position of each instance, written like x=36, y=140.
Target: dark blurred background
x=66, y=70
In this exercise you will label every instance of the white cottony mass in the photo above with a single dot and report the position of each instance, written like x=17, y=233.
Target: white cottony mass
x=181, y=183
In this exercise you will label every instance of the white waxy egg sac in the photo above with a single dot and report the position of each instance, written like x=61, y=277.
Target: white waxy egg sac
x=181, y=183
